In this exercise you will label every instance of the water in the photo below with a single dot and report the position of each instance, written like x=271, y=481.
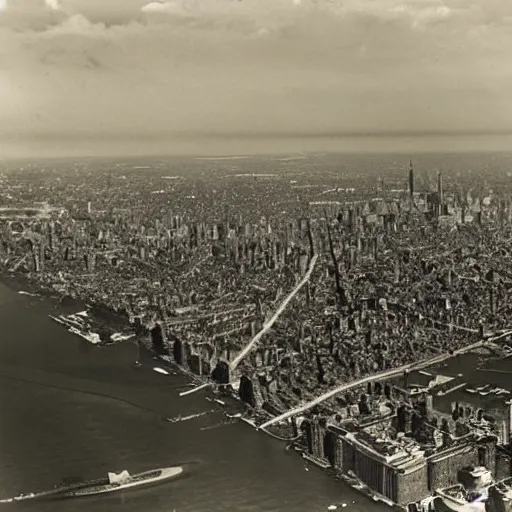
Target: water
x=68, y=409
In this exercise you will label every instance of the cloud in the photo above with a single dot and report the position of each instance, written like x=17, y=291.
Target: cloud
x=77, y=24
x=38, y=15
x=161, y=7
x=53, y=4
x=22, y=15
x=107, y=12
x=261, y=17
x=145, y=68
x=426, y=13
x=418, y=14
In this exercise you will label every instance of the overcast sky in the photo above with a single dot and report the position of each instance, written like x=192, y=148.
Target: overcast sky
x=99, y=76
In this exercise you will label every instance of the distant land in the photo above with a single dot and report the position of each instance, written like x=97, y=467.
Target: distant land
x=245, y=144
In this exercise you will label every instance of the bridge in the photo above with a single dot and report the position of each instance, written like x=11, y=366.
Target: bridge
x=381, y=376
x=268, y=325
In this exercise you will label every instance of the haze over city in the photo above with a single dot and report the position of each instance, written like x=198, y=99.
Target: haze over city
x=100, y=77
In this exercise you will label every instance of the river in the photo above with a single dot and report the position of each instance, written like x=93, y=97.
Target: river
x=68, y=409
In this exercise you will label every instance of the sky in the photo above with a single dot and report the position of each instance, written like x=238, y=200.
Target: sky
x=235, y=76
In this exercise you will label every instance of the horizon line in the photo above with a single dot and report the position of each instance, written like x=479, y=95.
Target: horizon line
x=87, y=135
x=248, y=155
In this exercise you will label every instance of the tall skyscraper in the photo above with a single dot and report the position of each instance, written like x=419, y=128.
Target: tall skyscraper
x=440, y=187
x=411, y=179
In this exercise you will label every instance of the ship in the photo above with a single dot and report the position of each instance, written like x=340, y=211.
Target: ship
x=113, y=483
x=124, y=481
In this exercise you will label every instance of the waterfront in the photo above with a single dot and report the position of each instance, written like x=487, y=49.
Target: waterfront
x=49, y=433
x=92, y=405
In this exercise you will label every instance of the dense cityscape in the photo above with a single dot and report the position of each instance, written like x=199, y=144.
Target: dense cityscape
x=282, y=286
x=255, y=256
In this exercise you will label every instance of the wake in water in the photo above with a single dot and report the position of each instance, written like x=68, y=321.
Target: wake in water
x=19, y=498
x=21, y=292
x=190, y=417
x=55, y=493
x=218, y=425
x=231, y=418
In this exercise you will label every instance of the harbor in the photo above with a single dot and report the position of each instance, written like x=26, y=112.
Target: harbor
x=411, y=409
x=95, y=413
x=255, y=256
x=433, y=420
x=333, y=334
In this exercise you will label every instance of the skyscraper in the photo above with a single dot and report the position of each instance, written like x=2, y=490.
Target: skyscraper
x=411, y=179
x=440, y=187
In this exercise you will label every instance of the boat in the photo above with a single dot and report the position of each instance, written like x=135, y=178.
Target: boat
x=316, y=461
x=122, y=481
x=497, y=497
x=238, y=415
x=455, y=500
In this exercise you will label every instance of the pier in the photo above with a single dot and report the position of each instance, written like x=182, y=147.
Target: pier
x=381, y=376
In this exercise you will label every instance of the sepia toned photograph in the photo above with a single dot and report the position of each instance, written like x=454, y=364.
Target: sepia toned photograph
x=255, y=255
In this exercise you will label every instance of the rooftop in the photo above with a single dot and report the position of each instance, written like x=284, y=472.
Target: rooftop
x=402, y=452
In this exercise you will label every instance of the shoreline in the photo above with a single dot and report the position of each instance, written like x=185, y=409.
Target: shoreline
x=24, y=283
x=222, y=394
x=101, y=315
